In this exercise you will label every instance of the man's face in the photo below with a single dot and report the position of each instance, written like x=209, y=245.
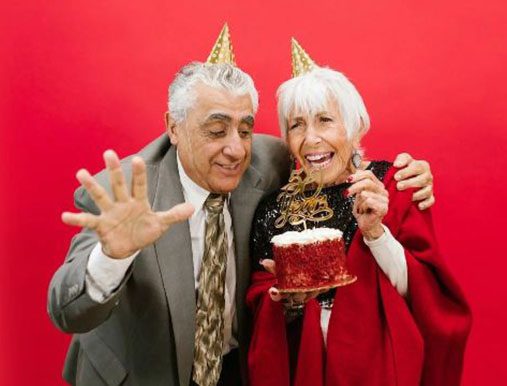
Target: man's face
x=215, y=140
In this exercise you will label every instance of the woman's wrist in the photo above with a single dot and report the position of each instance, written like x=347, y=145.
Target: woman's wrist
x=373, y=233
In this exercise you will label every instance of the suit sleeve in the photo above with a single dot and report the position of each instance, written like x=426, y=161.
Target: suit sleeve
x=69, y=305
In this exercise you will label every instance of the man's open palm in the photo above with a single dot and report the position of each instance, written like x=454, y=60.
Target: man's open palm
x=126, y=222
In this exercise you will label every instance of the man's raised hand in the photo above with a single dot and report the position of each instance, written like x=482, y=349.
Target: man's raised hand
x=126, y=222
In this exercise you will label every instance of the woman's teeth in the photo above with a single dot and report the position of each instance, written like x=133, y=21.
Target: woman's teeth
x=319, y=160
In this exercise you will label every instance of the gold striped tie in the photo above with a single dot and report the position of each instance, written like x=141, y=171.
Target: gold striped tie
x=209, y=335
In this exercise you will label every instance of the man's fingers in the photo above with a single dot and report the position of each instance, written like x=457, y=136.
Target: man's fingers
x=419, y=181
x=139, y=185
x=402, y=160
x=413, y=169
x=426, y=203
x=96, y=192
x=176, y=214
x=423, y=193
x=269, y=265
x=83, y=220
x=118, y=185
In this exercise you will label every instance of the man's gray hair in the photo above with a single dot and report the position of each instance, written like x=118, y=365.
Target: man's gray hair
x=224, y=76
x=309, y=93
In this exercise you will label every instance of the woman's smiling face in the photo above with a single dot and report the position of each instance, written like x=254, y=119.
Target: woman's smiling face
x=319, y=141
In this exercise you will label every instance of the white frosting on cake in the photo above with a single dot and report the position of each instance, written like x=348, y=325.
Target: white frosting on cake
x=307, y=236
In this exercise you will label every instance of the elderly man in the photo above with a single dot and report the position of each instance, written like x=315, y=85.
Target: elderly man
x=153, y=286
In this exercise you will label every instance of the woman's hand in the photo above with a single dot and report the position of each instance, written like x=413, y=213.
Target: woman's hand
x=370, y=204
x=291, y=300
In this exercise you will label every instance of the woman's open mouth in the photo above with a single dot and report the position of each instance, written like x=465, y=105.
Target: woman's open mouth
x=319, y=160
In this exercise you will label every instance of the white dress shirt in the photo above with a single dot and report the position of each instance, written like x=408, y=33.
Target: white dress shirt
x=196, y=195
x=104, y=274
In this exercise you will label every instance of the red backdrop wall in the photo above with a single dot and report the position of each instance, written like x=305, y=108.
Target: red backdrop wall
x=81, y=77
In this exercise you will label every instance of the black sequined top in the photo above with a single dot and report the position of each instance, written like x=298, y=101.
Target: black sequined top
x=268, y=211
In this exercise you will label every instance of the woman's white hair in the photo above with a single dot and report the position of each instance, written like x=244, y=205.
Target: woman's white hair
x=309, y=93
x=225, y=76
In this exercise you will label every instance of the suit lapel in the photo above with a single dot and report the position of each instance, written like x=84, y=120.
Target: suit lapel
x=244, y=201
x=174, y=255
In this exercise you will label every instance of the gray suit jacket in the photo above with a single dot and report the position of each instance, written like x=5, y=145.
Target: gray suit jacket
x=144, y=334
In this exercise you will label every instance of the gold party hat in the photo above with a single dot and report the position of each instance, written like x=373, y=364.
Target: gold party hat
x=222, y=50
x=301, y=61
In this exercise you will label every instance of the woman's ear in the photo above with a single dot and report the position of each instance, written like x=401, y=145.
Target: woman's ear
x=356, y=139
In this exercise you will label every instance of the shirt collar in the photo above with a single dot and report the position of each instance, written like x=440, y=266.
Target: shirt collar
x=192, y=192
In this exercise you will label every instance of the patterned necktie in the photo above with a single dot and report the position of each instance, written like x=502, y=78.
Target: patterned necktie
x=210, y=297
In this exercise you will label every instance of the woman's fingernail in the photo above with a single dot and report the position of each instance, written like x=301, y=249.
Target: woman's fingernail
x=350, y=178
x=345, y=193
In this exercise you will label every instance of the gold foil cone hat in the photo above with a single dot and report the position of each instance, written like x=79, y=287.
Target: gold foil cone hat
x=301, y=61
x=222, y=50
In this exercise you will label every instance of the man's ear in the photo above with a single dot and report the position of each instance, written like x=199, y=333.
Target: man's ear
x=170, y=125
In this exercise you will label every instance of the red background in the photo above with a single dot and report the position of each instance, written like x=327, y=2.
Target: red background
x=81, y=77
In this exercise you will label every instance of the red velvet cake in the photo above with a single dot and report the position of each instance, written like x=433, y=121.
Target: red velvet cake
x=310, y=260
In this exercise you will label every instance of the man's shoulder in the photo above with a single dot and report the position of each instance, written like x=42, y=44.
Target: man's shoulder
x=152, y=154
x=270, y=158
x=156, y=150
x=265, y=141
x=269, y=152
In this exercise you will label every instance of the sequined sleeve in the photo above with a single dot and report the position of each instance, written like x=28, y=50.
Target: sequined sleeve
x=260, y=245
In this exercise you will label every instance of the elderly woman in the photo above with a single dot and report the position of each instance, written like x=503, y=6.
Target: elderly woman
x=405, y=321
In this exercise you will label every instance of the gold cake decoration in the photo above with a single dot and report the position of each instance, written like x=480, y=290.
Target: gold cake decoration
x=296, y=207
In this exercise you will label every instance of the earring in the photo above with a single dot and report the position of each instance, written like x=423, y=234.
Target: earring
x=356, y=158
